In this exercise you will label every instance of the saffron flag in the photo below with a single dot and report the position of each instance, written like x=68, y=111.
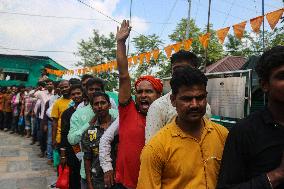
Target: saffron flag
x=156, y=54
x=222, y=34
x=273, y=17
x=255, y=23
x=187, y=44
x=177, y=46
x=141, y=58
x=148, y=57
x=239, y=29
x=168, y=50
x=135, y=58
x=204, y=40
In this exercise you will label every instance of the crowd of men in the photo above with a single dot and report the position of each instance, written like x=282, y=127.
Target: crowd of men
x=152, y=141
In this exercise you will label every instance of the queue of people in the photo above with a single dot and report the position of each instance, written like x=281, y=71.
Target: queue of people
x=152, y=141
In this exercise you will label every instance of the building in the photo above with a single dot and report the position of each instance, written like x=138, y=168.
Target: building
x=26, y=70
x=229, y=63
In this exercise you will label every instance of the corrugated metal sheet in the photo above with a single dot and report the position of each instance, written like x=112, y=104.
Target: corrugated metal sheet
x=229, y=63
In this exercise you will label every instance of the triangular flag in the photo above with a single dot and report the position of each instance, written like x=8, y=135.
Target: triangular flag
x=255, y=23
x=222, y=34
x=273, y=17
x=129, y=60
x=135, y=58
x=148, y=57
x=239, y=29
x=187, y=44
x=204, y=40
x=168, y=50
x=177, y=46
x=156, y=54
x=141, y=58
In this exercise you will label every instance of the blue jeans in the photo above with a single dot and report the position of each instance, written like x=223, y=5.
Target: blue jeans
x=49, y=140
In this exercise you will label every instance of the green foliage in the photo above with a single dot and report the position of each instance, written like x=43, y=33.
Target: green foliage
x=99, y=49
x=215, y=49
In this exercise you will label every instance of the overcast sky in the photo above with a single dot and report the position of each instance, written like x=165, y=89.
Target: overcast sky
x=42, y=33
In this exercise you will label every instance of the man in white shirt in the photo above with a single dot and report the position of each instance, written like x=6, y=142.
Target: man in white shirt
x=161, y=111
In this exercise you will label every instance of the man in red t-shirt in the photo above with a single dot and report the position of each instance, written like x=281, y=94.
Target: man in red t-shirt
x=132, y=115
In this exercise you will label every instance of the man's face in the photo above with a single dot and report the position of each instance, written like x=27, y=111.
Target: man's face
x=145, y=96
x=101, y=106
x=190, y=103
x=14, y=89
x=275, y=86
x=64, y=88
x=77, y=96
x=49, y=86
x=84, y=83
x=92, y=89
x=176, y=65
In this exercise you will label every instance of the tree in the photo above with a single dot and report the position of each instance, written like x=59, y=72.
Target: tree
x=99, y=49
x=215, y=49
x=148, y=43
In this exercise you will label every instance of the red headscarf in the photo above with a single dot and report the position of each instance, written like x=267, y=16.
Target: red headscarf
x=156, y=83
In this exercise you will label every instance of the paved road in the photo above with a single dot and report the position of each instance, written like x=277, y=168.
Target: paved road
x=20, y=166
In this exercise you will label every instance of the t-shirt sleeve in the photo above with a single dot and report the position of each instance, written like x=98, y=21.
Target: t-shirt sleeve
x=124, y=109
x=55, y=110
x=152, y=163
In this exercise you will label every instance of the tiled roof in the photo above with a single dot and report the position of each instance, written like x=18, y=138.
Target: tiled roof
x=229, y=63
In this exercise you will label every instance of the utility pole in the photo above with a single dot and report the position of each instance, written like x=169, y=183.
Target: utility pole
x=263, y=46
x=188, y=20
x=203, y=65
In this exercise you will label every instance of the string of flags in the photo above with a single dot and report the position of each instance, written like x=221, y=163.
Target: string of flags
x=272, y=19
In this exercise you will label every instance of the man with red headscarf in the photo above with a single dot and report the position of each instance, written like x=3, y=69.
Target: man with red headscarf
x=132, y=115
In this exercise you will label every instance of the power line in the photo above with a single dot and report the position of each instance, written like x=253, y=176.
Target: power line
x=34, y=50
x=170, y=15
x=73, y=18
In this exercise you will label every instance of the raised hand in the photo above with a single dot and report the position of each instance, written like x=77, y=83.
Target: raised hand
x=123, y=32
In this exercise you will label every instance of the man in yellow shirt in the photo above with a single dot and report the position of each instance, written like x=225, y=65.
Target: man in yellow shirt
x=59, y=106
x=186, y=153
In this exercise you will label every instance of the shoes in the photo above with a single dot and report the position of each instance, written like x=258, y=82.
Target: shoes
x=12, y=132
x=41, y=155
x=50, y=162
x=6, y=130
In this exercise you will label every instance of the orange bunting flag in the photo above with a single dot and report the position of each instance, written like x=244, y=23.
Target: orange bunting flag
x=222, y=34
x=255, y=23
x=115, y=65
x=135, y=58
x=141, y=58
x=273, y=17
x=168, y=50
x=204, y=40
x=148, y=57
x=129, y=60
x=177, y=46
x=156, y=53
x=239, y=29
x=187, y=44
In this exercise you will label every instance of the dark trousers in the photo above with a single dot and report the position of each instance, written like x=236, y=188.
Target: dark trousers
x=36, y=130
x=1, y=120
x=15, y=120
x=43, y=138
x=74, y=164
x=8, y=120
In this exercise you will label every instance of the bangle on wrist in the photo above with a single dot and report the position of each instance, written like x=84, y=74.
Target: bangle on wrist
x=63, y=157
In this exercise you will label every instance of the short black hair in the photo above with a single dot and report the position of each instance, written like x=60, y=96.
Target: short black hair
x=41, y=84
x=96, y=80
x=48, y=80
x=86, y=76
x=187, y=76
x=75, y=86
x=270, y=59
x=185, y=56
x=103, y=94
x=74, y=81
x=56, y=83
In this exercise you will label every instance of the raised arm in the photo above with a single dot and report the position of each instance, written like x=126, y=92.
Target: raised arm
x=122, y=64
